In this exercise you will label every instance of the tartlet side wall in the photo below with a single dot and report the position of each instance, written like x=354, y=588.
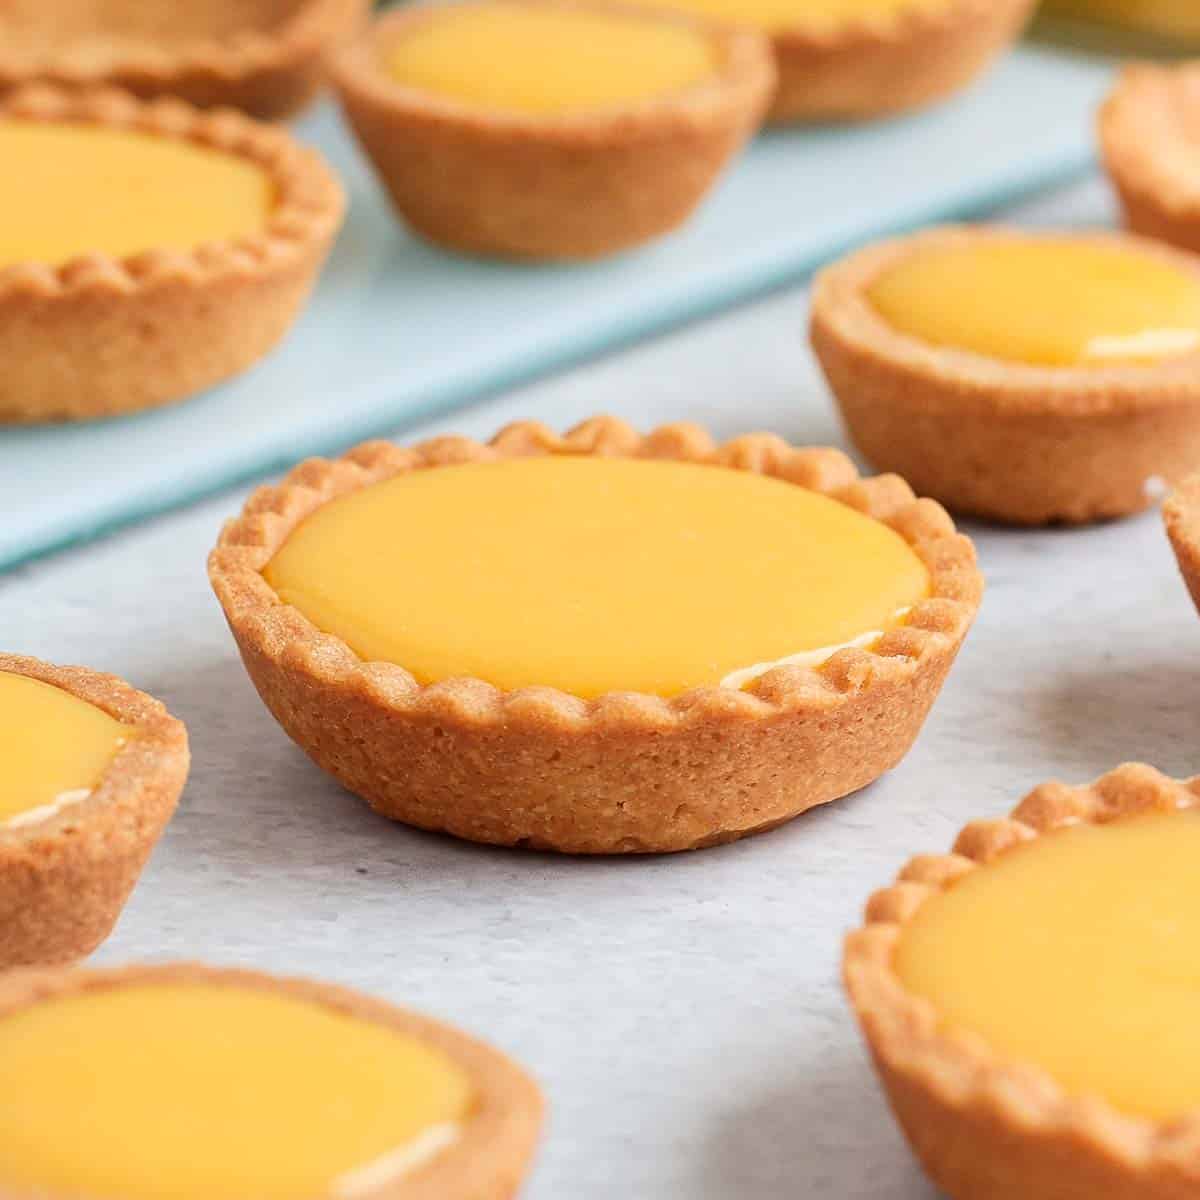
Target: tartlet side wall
x=875, y=74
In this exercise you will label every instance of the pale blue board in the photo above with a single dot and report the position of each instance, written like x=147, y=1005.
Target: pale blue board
x=398, y=331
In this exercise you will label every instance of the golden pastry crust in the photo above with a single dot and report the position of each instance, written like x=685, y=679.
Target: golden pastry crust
x=872, y=68
x=1150, y=137
x=64, y=880
x=265, y=57
x=101, y=336
x=1181, y=513
x=606, y=180
x=984, y=1127
x=492, y=1154
x=629, y=772
x=1024, y=444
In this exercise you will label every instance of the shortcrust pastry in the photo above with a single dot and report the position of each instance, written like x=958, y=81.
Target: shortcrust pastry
x=1029, y=1000
x=535, y=130
x=1182, y=515
x=207, y=1084
x=1024, y=377
x=90, y=773
x=1150, y=135
x=853, y=59
x=266, y=57
x=200, y=240
x=599, y=643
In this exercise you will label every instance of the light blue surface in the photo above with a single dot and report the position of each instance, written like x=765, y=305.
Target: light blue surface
x=398, y=331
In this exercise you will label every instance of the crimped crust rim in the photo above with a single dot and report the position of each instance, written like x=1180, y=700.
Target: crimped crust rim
x=842, y=311
x=866, y=32
x=499, y=1136
x=746, y=76
x=934, y=631
x=308, y=210
x=961, y=1069
x=1138, y=123
x=229, y=59
x=158, y=751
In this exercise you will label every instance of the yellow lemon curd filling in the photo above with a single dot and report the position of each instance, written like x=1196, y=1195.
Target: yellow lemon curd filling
x=594, y=575
x=204, y=1091
x=776, y=15
x=1166, y=18
x=54, y=748
x=546, y=62
x=1043, y=302
x=82, y=189
x=1079, y=953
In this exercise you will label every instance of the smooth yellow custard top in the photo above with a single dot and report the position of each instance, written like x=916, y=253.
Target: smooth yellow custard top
x=53, y=746
x=546, y=61
x=1080, y=953
x=1166, y=18
x=1043, y=302
x=774, y=15
x=199, y=1091
x=83, y=189
x=593, y=575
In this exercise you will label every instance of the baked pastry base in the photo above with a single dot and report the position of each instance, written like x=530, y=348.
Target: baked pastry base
x=985, y=1128
x=1150, y=135
x=266, y=57
x=65, y=880
x=101, y=337
x=627, y=773
x=1181, y=512
x=605, y=181
x=880, y=68
x=1020, y=444
x=492, y=1154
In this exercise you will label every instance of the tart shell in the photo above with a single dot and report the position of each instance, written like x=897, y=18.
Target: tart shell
x=878, y=68
x=606, y=180
x=628, y=772
x=100, y=336
x=1181, y=512
x=984, y=1127
x=1150, y=133
x=487, y=1162
x=1022, y=444
x=267, y=71
x=64, y=880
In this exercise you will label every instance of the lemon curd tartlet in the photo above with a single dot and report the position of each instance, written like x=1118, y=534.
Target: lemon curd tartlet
x=207, y=1084
x=1150, y=135
x=853, y=59
x=200, y=239
x=1029, y=999
x=1028, y=378
x=601, y=642
x=263, y=56
x=623, y=117
x=90, y=773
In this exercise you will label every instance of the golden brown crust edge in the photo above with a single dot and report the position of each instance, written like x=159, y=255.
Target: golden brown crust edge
x=607, y=181
x=628, y=772
x=1181, y=514
x=65, y=880
x=1149, y=128
x=1022, y=444
x=983, y=1127
x=268, y=74
x=489, y=1160
x=162, y=325
x=870, y=69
